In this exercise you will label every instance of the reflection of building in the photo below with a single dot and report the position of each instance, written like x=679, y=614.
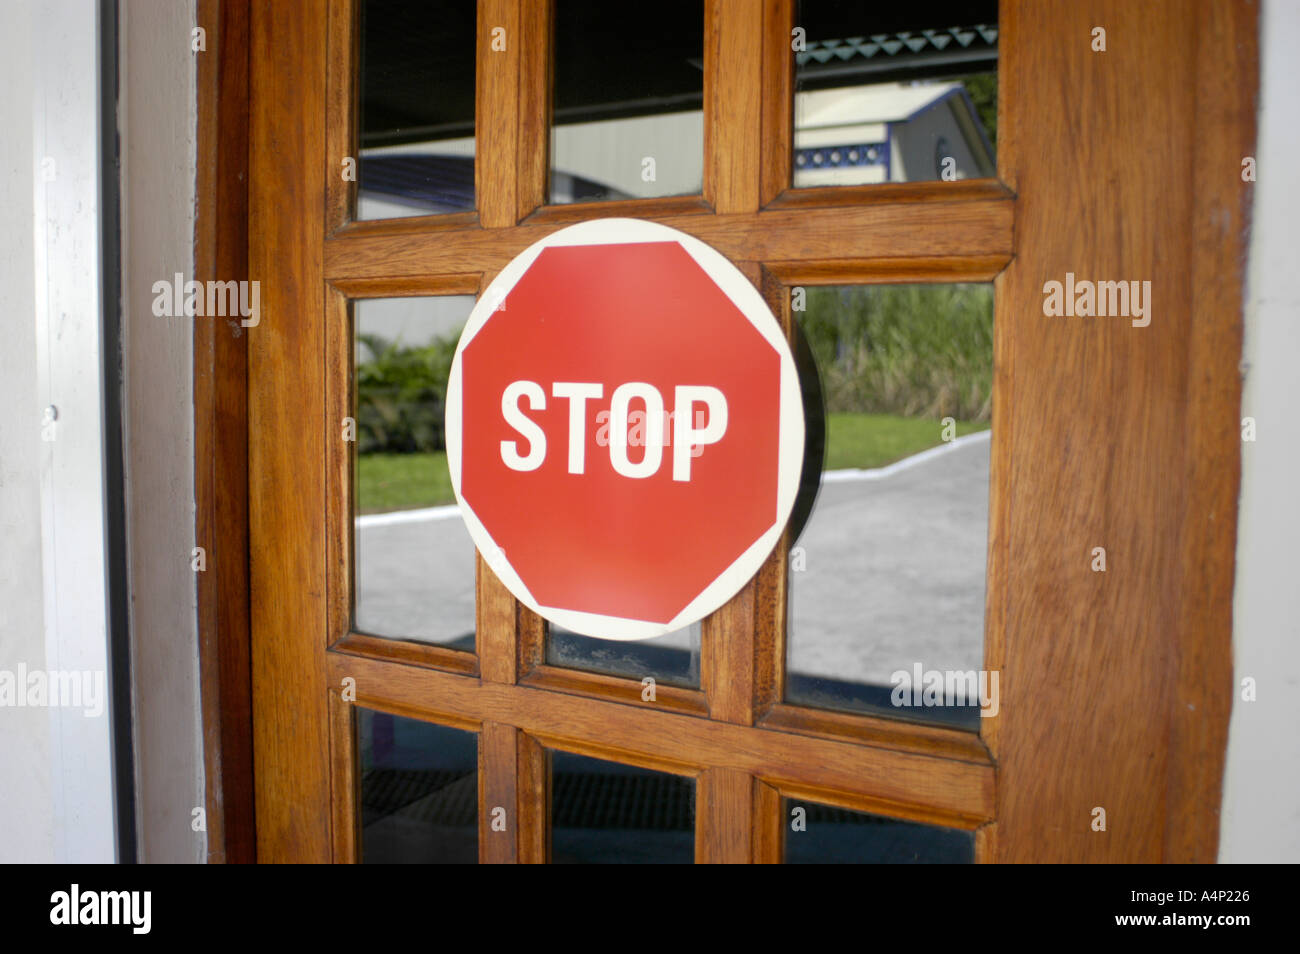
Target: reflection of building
x=891, y=132
x=411, y=180
x=590, y=160
x=880, y=108
x=848, y=135
x=411, y=322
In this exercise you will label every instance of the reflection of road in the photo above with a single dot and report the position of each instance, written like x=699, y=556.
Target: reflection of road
x=415, y=579
x=894, y=571
x=415, y=575
x=415, y=572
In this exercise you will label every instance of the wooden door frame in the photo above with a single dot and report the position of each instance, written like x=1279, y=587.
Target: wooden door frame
x=221, y=436
x=1072, y=460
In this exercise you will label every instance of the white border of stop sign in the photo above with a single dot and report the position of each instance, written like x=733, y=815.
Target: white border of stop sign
x=791, y=438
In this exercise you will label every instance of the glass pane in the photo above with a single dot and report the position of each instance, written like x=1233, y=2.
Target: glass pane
x=419, y=791
x=413, y=558
x=609, y=813
x=822, y=834
x=886, y=610
x=629, y=95
x=895, y=93
x=672, y=659
x=416, y=112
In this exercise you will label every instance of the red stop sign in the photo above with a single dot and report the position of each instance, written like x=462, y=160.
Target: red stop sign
x=624, y=428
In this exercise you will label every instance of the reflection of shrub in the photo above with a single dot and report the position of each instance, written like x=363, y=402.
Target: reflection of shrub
x=911, y=350
x=908, y=350
x=982, y=88
x=401, y=395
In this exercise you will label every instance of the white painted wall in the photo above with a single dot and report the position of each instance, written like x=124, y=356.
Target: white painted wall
x=1261, y=810
x=57, y=799
x=55, y=766
x=157, y=120
x=26, y=805
x=70, y=385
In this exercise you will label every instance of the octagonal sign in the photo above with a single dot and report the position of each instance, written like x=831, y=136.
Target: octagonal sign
x=624, y=428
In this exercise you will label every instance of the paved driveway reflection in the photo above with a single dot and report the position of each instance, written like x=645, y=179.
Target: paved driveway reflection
x=894, y=575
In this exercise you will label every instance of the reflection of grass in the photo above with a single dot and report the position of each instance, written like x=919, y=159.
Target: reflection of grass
x=402, y=481
x=874, y=440
x=911, y=350
x=406, y=481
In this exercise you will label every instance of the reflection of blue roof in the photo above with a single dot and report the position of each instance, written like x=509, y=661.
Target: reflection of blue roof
x=437, y=183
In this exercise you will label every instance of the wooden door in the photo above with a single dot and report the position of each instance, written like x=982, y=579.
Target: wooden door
x=1115, y=687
